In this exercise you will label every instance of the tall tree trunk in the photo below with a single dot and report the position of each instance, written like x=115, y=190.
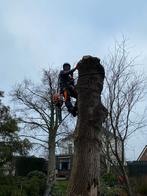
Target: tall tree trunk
x=51, y=175
x=127, y=182
x=124, y=172
x=86, y=163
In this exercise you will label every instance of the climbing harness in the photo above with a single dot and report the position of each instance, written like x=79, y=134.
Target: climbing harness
x=58, y=100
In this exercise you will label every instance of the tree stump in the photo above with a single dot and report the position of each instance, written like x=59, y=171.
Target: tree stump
x=91, y=113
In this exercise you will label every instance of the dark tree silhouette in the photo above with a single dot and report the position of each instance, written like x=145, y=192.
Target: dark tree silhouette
x=10, y=142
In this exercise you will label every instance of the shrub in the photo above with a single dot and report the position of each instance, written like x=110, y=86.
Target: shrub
x=8, y=190
x=38, y=178
x=34, y=185
x=109, y=179
x=60, y=188
x=36, y=173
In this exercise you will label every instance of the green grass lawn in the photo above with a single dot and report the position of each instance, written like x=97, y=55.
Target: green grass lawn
x=60, y=188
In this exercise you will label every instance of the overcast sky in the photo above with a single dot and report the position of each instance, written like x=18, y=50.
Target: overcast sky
x=37, y=33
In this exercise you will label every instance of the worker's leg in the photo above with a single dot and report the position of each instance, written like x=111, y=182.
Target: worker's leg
x=73, y=93
x=68, y=103
x=67, y=99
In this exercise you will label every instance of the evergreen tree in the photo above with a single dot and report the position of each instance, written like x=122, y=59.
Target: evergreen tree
x=10, y=142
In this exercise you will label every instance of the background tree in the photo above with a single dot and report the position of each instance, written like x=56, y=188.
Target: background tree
x=10, y=142
x=125, y=89
x=38, y=113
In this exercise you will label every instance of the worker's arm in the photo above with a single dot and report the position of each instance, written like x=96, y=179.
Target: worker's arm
x=69, y=72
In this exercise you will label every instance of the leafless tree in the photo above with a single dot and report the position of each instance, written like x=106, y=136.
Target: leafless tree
x=38, y=114
x=124, y=90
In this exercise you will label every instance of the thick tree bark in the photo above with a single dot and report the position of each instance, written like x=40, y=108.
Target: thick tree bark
x=91, y=113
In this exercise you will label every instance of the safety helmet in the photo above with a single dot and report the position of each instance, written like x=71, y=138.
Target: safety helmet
x=66, y=65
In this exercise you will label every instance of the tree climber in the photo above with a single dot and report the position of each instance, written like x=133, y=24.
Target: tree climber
x=67, y=87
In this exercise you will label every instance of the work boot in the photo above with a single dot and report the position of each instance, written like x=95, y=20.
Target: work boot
x=73, y=111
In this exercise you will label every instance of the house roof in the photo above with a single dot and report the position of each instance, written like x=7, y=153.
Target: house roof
x=142, y=153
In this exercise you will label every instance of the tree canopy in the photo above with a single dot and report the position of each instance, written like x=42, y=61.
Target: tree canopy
x=10, y=142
